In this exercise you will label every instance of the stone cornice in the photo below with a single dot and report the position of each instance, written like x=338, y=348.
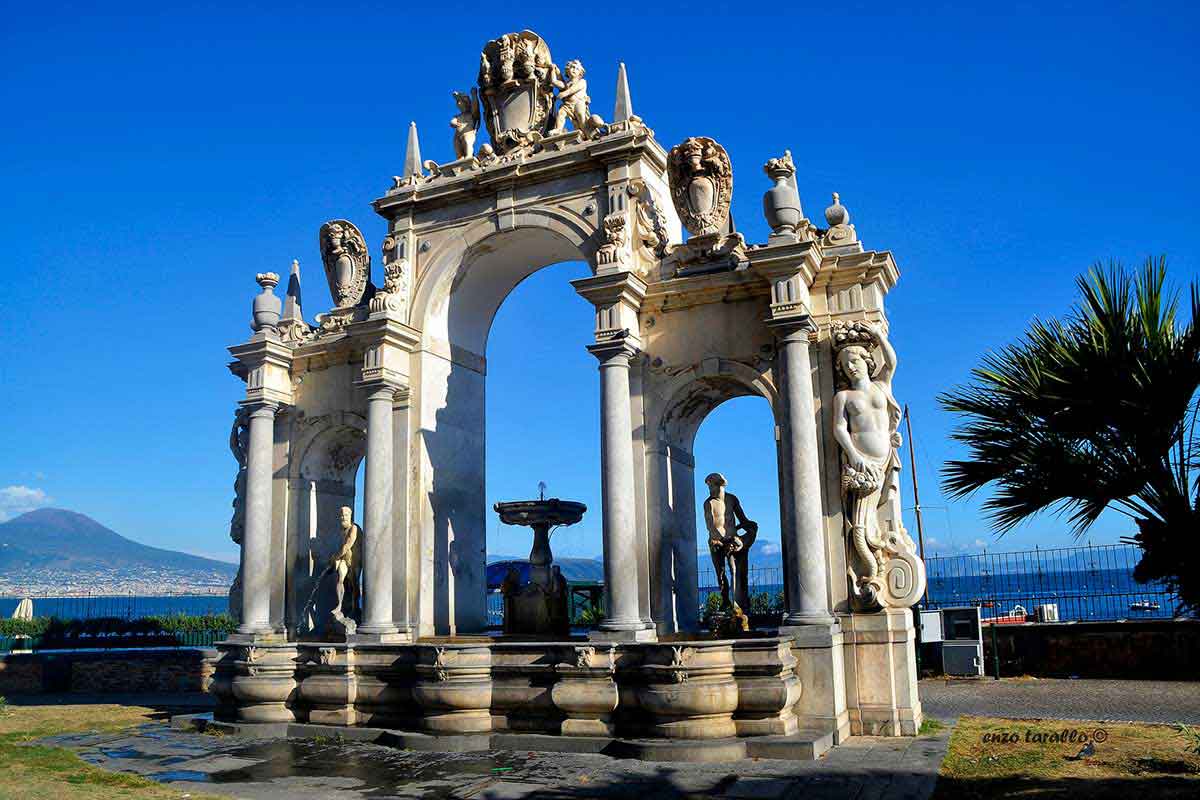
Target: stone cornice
x=775, y=260
x=697, y=289
x=865, y=267
x=611, y=287
x=566, y=158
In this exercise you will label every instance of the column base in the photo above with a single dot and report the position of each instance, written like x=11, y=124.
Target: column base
x=630, y=635
x=257, y=635
x=797, y=620
x=386, y=636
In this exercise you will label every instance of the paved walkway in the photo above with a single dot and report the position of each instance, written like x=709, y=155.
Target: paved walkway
x=863, y=768
x=1052, y=698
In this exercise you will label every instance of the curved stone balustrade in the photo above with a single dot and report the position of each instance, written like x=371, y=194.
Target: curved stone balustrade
x=677, y=690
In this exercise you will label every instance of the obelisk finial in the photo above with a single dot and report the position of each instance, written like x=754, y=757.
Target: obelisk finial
x=412, y=154
x=623, y=110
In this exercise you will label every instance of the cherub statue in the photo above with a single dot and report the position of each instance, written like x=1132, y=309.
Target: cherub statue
x=347, y=563
x=573, y=101
x=465, y=123
x=724, y=517
x=866, y=421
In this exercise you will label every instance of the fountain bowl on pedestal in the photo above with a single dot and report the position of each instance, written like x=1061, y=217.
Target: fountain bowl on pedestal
x=540, y=606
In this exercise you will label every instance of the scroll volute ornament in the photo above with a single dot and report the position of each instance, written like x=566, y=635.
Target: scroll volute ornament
x=701, y=184
x=516, y=82
x=347, y=262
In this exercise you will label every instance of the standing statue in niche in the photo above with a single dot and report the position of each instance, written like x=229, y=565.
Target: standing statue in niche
x=465, y=123
x=730, y=550
x=866, y=427
x=573, y=101
x=347, y=564
x=239, y=444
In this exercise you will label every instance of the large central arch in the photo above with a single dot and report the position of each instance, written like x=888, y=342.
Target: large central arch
x=456, y=302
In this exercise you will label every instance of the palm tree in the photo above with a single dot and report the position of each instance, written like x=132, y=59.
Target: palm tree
x=1097, y=411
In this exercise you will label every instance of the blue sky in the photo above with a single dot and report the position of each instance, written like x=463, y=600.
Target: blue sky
x=155, y=157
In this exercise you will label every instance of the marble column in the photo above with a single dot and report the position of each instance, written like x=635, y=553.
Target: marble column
x=802, y=522
x=256, y=540
x=377, y=514
x=619, y=521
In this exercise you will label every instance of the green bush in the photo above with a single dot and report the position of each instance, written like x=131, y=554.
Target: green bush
x=712, y=604
x=162, y=629
x=24, y=627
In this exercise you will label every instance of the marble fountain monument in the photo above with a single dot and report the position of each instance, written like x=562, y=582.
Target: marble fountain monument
x=393, y=373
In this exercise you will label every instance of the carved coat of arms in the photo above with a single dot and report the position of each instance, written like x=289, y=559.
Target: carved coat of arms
x=347, y=262
x=515, y=79
x=701, y=184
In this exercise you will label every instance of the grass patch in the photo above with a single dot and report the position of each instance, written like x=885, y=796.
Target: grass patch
x=53, y=773
x=930, y=726
x=995, y=758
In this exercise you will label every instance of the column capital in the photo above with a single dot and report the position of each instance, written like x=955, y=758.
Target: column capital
x=792, y=326
x=257, y=406
x=266, y=366
x=377, y=381
x=620, y=345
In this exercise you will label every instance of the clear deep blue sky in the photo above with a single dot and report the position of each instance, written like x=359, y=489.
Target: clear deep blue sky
x=155, y=158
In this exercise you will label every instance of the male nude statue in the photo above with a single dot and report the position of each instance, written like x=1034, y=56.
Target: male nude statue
x=724, y=517
x=347, y=562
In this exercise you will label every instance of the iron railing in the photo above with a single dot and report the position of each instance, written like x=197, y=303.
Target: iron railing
x=1089, y=582
x=120, y=606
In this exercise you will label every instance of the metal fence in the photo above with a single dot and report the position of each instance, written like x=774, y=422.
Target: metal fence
x=759, y=580
x=121, y=606
x=1088, y=582
x=1091, y=582
x=157, y=639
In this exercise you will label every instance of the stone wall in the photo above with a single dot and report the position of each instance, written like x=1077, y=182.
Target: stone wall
x=1159, y=649
x=108, y=672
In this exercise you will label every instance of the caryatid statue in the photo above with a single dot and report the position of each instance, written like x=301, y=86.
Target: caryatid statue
x=347, y=565
x=866, y=427
x=724, y=517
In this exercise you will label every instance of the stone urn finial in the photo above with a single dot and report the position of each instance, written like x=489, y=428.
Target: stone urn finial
x=266, y=305
x=781, y=203
x=837, y=214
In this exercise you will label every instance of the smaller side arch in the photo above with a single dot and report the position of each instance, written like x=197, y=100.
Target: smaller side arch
x=688, y=398
x=321, y=479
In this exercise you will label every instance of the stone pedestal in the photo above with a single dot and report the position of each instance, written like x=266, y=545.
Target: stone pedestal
x=881, y=673
x=328, y=688
x=255, y=682
x=820, y=667
x=453, y=689
x=768, y=689
x=688, y=691
x=586, y=693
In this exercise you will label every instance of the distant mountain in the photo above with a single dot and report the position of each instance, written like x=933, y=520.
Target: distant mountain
x=764, y=554
x=575, y=570
x=54, y=539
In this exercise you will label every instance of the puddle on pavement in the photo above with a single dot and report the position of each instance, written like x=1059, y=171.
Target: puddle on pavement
x=189, y=775
x=122, y=752
x=376, y=767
